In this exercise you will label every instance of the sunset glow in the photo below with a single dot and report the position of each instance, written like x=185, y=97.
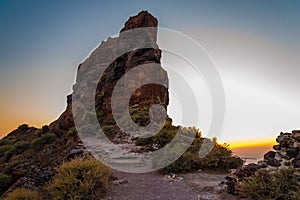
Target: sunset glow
x=252, y=143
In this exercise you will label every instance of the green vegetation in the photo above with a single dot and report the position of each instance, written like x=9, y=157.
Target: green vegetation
x=264, y=185
x=22, y=194
x=99, y=98
x=43, y=140
x=11, y=165
x=167, y=133
x=108, y=120
x=38, y=132
x=140, y=116
x=72, y=132
x=4, y=182
x=17, y=148
x=6, y=141
x=220, y=158
x=80, y=179
x=23, y=127
x=4, y=149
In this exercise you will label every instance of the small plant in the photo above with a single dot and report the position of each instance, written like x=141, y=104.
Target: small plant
x=4, y=149
x=22, y=194
x=80, y=179
x=162, y=138
x=43, y=140
x=108, y=120
x=6, y=141
x=264, y=185
x=4, y=182
x=72, y=132
x=38, y=132
x=99, y=98
x=17, y=148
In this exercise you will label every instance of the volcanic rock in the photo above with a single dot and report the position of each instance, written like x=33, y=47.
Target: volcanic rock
x=246, y=170
x=143, y=19
x=286, y=151
x=141, y=100
x=31, y=154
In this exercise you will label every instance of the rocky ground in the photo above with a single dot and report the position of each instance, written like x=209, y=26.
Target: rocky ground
x=192, y=186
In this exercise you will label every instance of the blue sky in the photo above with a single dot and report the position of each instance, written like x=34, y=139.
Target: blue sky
x=42, y=43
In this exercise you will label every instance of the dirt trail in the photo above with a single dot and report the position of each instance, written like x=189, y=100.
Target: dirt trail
x=153, y=186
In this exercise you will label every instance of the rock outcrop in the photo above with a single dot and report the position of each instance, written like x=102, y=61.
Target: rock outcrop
x=28, y=156
x=246, y=170
x=284, y=156
x=286, y=152
x=143, y=19
x=143, y=97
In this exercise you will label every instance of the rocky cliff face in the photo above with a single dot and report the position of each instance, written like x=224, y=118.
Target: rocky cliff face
x=143, y=97
x=28, y=155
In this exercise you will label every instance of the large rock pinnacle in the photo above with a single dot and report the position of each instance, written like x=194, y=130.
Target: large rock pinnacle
x=143, y=97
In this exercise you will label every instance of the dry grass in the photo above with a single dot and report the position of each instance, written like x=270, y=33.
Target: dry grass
x=80, y=179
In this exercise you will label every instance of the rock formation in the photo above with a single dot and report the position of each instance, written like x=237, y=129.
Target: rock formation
x=284, y=156
x=142, y=99
x=29, y=155
x=286, y=152
x=143, y=19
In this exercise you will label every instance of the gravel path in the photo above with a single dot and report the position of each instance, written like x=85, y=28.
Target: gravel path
x=152, y=186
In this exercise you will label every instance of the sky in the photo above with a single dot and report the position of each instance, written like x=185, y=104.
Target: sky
x=255, y=46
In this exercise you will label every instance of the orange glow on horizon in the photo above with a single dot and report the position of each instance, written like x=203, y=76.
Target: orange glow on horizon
x=252, y=149
x=265, y=142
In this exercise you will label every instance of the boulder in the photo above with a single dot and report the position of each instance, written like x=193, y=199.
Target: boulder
x=287, y=143
x=296, y=135
x=292, y=152
x=276, y=147
x=273, y=162
x=297, y=164
x=269, y=155
x=246, y=170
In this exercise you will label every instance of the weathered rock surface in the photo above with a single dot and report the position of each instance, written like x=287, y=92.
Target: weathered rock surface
x=143, y=97
x=286, y=152
x=143, y=19
x=246, y=170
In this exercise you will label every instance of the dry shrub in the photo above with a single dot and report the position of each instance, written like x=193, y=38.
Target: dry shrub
x=80, y=179
x=220, y=158
x=22, y=194
x=264, y=185
x=4, y=182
